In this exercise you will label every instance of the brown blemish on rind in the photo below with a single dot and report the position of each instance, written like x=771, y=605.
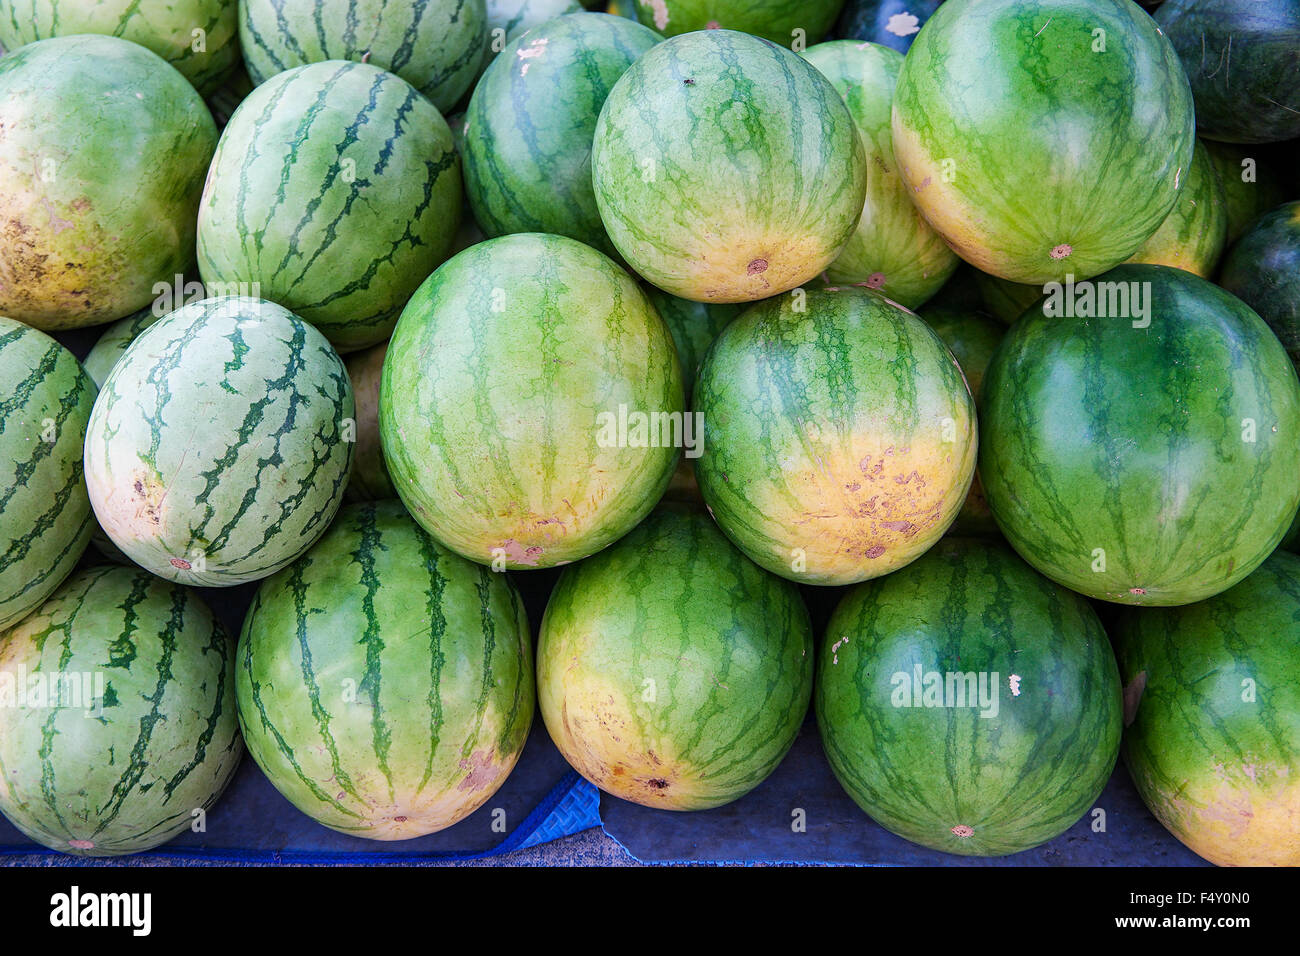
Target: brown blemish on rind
x=1061, y=251
x=757, y=266
x=180, y=563
x=482, y=772
x=518, y=554
x=962, y=830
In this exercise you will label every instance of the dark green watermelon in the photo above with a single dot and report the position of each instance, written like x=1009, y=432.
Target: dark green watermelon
x=1243, y=60
x=1148, y=455
x=1212, y=708
x=1263, y=270
x=967, y=703
x=529, y=126
x=892, y=23
x=671, y=670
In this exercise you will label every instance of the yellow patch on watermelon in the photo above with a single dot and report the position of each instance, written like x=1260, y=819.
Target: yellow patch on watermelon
x=1244, y=815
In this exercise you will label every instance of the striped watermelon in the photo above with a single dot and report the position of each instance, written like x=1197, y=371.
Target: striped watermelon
x=780, y=21
x=508, y=20
x=506, y=409
x=694, y=326
x=840, y=436
x=385, y=685
x=109, y=347
x=894, y=249
x=77, y=246
x=370, y=480
x=1043, y=138
x=530, y=123
x=1212, y=707
x=134, y=735
x=1153, y=464
x=1194, y=233
x=197, y=37
x=968, y=704
x=215, y=452
x=113, y=343
x=684, y=692
x=45, y=517
x=435, y=45
x=973, y=338
x=1251, y=186
x=1192, y=238
x=336, y=188
x=1263, y=270
x=727, y=169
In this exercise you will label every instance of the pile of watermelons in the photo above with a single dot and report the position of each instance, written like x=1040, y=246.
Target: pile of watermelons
x=722, y=305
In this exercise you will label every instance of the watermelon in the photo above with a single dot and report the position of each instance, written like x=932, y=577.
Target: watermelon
x=530, y=123
x=109, y=347
x=1263, y=270
x=1194, y=233
x=45, y=517
x=1145, y=455
x=94, y=213
x=385, y=685
x=334, y=192
x=1250, y=184
x=973, y=338
x=117, y=714
x=530, y=409
x=671, y=671
x=891, y=23
x=1192, y=238
x=435, y=45
x=894, y=249
x=226, y=99
x=510, y=19
x=1043, y=139
x=197, y=37
x=840, y=436
x=1291, y=541
x=727, y=169
x=961, y=292
x=1005, y=299
x=370, y=480
x=968, y=704
x=694, y=326
x=1212, y=708
x=789, y=24
x=1243, y=60
x=113, y=343
x=215, y=451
